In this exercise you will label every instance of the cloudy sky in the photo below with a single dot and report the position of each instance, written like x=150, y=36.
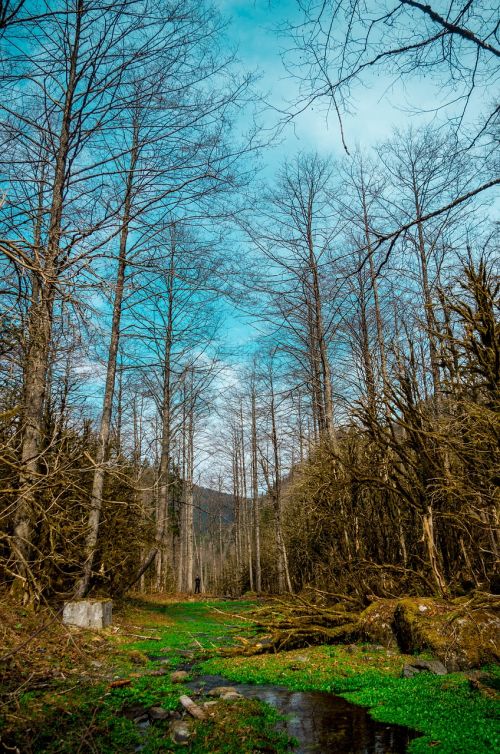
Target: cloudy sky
x=376, y=108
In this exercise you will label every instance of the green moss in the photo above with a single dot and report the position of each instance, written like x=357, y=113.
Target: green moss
x=63, y=718
x=452, y=718
x=459, y=636
x=246, y=727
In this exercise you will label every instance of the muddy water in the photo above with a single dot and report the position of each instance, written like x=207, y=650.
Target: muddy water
x=321, y=722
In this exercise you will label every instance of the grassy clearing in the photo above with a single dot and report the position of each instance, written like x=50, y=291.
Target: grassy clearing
x=62, y=702
x=81, y=711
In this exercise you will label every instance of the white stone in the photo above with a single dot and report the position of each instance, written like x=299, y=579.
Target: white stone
x=180, y=732
x=88, y=613
x=220, y=690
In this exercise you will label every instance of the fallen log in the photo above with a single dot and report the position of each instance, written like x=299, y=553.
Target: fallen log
x=192, y=708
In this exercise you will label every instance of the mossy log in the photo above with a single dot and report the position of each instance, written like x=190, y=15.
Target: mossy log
x=463, y=633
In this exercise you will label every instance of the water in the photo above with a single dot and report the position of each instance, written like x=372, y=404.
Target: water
x=321, y=722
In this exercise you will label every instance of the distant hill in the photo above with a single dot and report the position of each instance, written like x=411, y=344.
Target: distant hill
x=210, y=505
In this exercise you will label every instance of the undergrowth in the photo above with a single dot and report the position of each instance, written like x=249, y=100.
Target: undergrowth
x=65, y=699
x=452, y=717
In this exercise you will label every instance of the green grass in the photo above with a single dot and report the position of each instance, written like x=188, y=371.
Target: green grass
x=248, y=728
x=64, y=718
x=452, y=718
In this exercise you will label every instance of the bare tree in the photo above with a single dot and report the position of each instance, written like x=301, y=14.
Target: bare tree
x=294, y=233
x=62, y=68
x=340, y=41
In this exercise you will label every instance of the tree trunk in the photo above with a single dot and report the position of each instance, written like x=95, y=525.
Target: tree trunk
x=40, y=335
x=430, y=544
x=430, y=317
x=320, y=341
x=107, y=409
x=188, y=499
x=165, y=449
x=283, y=572
x=255, y=497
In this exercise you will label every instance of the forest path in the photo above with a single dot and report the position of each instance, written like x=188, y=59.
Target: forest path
x=314, y=720
x=120, y=691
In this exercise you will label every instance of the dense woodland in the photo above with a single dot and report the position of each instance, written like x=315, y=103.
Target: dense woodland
x=352, y=446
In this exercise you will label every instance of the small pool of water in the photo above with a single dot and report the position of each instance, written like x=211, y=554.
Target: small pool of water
x=321, y=722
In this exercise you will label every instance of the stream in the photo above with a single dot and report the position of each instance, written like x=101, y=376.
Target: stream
x=321, y=722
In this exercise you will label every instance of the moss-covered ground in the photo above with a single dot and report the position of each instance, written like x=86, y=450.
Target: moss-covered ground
x=453, y=717
x=77, y=706
x=80, y=706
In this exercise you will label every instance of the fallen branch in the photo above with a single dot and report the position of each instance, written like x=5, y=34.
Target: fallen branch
x=192, y=708
x=119, y=683
x=144, y=638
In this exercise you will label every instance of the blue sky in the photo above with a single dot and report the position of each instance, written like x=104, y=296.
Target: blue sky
x=382, y=104
x=377, y=108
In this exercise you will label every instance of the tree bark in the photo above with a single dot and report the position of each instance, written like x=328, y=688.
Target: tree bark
x=255, y=496
x=107, y=409
x=283, y=571
x=39, y=341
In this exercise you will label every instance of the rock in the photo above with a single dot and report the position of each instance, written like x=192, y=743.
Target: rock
x=134, y=711
x=457, y=636
x=180, y=732
x=231, y=696
x=423, y=666
x=221, y=690
x=178, y=676
x=158, y=713
x=408, y=671
x=209, y=705
x=159, y=672
x=95, y=614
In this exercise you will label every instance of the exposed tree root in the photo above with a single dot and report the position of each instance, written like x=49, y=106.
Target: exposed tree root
x=462, y=633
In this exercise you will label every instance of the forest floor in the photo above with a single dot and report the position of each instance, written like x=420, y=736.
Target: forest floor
x=70, y=691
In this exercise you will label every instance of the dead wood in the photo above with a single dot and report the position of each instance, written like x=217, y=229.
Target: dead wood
x=192, y=708
x=415, y=624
